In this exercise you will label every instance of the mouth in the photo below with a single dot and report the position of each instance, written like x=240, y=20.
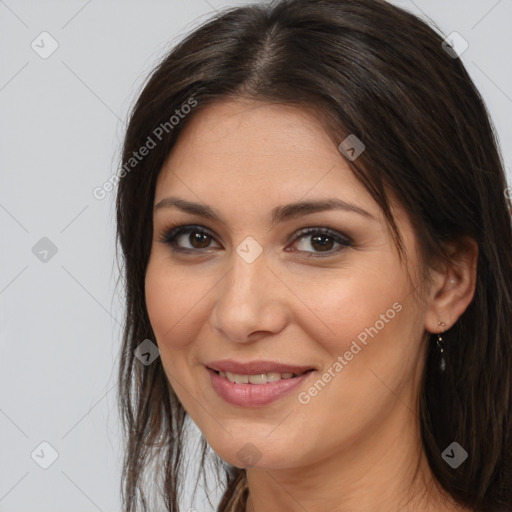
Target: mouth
x=259, y=378
x=256, y=384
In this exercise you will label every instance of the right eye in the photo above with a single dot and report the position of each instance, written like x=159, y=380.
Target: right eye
x=198, y=238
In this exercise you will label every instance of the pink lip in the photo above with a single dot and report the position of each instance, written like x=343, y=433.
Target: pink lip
x=255, y=367
x=254, y=395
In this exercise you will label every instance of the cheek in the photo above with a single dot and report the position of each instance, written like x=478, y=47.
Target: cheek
x=173, y=303
x=333, y=307
x=365, y=326
x=352, y=304
x=370, y=351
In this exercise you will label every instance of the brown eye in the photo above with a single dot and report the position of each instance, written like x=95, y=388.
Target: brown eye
x=322, y=240
x=198, y=239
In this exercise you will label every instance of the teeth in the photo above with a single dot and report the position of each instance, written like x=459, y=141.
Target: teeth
x=239, y=379
x=261, y=378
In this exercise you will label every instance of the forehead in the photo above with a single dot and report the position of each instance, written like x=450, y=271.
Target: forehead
x=247, y=145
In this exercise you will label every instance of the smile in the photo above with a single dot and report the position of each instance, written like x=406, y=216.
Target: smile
x=255, y=390
x=259, y=378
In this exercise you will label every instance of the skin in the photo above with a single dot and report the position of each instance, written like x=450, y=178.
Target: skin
x=355, y=445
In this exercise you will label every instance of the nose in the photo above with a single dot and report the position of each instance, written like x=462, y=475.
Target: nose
x=251, y=301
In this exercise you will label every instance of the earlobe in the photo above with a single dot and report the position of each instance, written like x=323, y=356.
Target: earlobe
x=455, y=286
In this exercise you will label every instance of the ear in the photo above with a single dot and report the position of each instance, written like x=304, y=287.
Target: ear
x=453, y=287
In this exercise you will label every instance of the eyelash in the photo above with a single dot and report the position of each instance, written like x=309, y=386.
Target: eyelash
x=170, y=236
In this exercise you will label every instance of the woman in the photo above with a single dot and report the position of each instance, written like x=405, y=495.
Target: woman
x=316, y=237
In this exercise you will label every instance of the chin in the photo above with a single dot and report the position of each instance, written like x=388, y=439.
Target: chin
x=247, y=453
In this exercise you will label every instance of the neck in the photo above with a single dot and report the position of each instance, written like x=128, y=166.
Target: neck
x=386, y=471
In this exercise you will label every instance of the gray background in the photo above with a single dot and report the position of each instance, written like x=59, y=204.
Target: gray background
x=61, y=125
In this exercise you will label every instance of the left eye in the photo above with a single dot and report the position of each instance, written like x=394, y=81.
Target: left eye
x=321, y=239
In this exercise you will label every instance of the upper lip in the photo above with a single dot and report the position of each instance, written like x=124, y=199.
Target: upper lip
x=255, y=367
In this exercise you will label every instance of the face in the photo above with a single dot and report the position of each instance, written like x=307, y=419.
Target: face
x=320, y=289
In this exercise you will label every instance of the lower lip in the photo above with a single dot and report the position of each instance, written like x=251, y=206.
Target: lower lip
x=254, y=395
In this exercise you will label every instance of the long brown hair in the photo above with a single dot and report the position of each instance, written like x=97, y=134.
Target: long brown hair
x=367, y=68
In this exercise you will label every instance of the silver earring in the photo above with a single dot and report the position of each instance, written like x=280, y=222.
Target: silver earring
x=442, y=365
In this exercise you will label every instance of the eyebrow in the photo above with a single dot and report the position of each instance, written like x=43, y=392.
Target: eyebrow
x=279, y=213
